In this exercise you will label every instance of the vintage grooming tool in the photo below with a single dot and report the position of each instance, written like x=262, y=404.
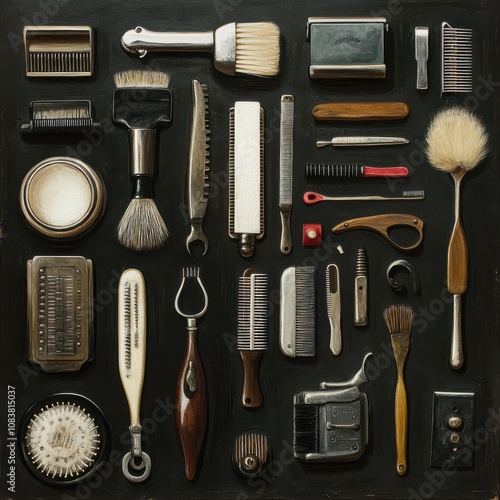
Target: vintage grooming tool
x=64, y=439
x=58, y=117
x=237, y=48
x=361, y=289
x=286, y=171
x=382, y=224
x=142, y=103
x=246, y=175
x=59, y=50
x=311, y=235
x=60, y=320
x=456, y=142
x=298, y=312
x=421, y=56
x=456, y=60
x=398, y=266
x=199, y=165
x=399, y=320
x=62, y=197
x=362, y=141
x=334, y=308
x=252, y=333
x=347, y=48
x=310, y=197
x=191, y=400
x=353, y=171
x=331, y=425
x=251, y=455
x=360, y=111
x=136, y=464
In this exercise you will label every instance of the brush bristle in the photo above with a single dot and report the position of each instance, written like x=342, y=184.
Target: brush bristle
x=49, y=114
x=137, y=78
x=399, y=319
x=257, y=49
x=142, y=227
x=456, y=138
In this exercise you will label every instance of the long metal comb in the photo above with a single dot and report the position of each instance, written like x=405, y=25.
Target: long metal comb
x=298, y=312
x=456, y=59
x=333, y=306
x=286, y=171
x=246, y=175
x=252, y=332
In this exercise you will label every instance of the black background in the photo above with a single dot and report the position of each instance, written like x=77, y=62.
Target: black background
x=427, y=365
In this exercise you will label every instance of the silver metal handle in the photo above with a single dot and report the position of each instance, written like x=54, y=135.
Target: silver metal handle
x=421, y=55
x=368, y=141
x=140, y=41
x=142, y=152
x=457, y=354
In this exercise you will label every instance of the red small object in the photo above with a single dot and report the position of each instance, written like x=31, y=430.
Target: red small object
x=385, y=172
x=311, y=235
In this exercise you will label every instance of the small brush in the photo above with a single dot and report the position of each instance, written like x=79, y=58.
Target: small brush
x=399, y=320
x=237, y=48
x=353, y=171
x=142, y=102
x=456, y=142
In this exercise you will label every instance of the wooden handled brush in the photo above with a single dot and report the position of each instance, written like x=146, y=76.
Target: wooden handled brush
x=456, y=143
x=399, y=320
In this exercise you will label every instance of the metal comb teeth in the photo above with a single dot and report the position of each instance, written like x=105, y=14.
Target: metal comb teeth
x=328, y=170
x=252, y=312
x=305, y=311
x=456, y=59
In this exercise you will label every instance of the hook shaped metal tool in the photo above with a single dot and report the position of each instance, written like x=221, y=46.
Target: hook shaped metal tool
x=398, y=266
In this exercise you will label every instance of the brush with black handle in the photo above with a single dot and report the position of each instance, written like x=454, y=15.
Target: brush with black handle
x=142, y=103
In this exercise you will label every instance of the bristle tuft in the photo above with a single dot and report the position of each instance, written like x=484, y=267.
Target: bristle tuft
x=50, y=114
x=142, y=227
x=456, y=138
x=399, y=319
x=257, y=49
x=141, y=79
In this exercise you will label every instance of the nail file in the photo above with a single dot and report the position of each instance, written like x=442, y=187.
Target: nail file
x=246, y=175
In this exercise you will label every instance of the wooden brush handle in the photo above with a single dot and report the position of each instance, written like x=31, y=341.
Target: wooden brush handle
x=401, y=424
x=458, y=260
x=365, y=111
x=191, y=405
x=252, y=395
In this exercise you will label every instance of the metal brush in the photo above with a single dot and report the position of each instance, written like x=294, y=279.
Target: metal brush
x=456, y=60
x=237, y=48
x=252, y=333
x=334, y=308
x=286, y=171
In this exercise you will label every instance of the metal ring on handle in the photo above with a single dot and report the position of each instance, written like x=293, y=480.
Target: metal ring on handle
x=128, y=461
x=191, y=273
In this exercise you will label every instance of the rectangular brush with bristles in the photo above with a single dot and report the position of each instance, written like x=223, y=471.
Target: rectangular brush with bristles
x=298, y=312
x=252, y=332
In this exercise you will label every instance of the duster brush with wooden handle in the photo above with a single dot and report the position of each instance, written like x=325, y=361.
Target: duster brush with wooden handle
x=456, y=143
x=399, y=320
x=142, y=102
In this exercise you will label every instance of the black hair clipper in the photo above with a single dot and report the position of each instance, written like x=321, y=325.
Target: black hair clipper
x=331, y=425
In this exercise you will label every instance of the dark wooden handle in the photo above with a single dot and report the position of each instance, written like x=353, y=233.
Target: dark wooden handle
x=191, y=405
x=366, y=111
x=381, y=224
x=401, y=424
x=458, y=260
x=252, y=395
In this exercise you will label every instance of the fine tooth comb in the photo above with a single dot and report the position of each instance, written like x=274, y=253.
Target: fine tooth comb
x=252, y=333
x=56, y=117
x=333, y=306
x=298, y=312
x=60, y=294
x=326, y=170
x=64, y=439
x=132, y=360
x=199, y=165
x=286, y=171
x=59, y=50
x=456, y=60
x=246, y=175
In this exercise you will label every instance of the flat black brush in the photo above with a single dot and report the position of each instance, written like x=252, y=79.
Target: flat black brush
x=142, y=102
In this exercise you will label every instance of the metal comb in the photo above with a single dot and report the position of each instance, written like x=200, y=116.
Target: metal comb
x=456, y=60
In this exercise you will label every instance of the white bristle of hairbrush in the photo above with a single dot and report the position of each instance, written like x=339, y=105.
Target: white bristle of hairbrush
x=286, y=150
x=252, y=312
x=305, y=312
x=50, y=114
x=136, y=78
x=142, y=227
x=257, y=49
x=455, y=138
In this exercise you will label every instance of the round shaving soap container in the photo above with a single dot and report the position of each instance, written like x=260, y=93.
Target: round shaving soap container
x=62, y=197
